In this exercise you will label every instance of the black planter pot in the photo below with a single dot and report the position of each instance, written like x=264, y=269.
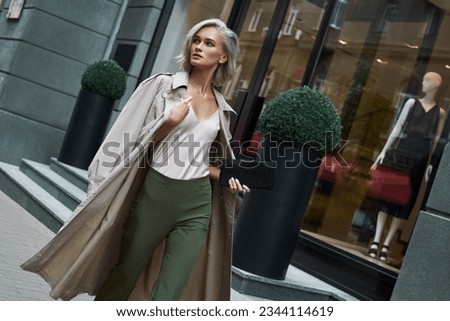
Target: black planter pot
x=269, y=221
x=86, y=129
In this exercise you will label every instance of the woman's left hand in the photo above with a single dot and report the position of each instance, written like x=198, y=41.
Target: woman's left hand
x=236, y=186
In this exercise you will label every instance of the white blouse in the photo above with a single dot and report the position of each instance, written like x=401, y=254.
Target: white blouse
x=184, y=152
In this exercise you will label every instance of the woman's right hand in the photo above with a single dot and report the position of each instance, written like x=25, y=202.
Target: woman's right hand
x=177, y=114
x=179, y=111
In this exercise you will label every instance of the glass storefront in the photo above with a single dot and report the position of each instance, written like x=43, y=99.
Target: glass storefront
x=370, y=61
x=272, y=65
x=251, y=39
x=294, y=46
x=374, y=59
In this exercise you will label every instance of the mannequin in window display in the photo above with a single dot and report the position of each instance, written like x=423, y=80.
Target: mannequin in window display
x=418, y=126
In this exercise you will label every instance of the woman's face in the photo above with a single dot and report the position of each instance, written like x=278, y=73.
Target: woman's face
x=207, y=48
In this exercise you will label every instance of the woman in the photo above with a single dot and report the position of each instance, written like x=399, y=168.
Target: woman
x=153, y=165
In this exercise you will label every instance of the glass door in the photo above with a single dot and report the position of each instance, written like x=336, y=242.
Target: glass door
x=251, y=37
x=277, y=40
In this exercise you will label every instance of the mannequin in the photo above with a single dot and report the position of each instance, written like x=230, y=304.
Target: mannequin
x=422, y=128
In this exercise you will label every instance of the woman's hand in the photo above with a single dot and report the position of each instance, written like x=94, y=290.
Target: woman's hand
x=179, y=111
x=235, y=186
x=177, y=114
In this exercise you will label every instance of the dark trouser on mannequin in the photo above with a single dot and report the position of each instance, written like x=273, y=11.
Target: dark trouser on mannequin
x=178, y=210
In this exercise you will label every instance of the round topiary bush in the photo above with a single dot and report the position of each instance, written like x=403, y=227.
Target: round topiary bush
x=106, y=78
x=304, y=116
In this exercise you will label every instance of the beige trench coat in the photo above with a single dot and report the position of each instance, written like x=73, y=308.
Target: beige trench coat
x=78, y=259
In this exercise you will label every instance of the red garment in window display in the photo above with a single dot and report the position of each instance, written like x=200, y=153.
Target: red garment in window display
x=390, y=185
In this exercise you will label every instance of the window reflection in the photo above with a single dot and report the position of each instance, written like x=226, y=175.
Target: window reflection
x=295, y=42
x=374, y=59
x=251, y=39
x=372, y=62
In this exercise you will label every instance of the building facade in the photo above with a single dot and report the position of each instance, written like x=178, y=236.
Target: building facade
x=368, y=57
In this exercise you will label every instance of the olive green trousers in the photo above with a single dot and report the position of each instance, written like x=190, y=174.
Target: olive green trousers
x=176, y=210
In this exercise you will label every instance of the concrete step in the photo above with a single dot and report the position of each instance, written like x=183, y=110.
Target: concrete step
x=32, y=197
x=297, y=286
x=77, y=176
x=62, y=189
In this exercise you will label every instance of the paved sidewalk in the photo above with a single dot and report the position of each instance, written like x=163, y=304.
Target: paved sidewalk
x=21, y=236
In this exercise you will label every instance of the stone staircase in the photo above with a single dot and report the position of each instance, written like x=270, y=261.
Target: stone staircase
x=48, y=192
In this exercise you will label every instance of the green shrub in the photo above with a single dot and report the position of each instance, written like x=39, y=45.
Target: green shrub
x=106, y=78
x=304, y=116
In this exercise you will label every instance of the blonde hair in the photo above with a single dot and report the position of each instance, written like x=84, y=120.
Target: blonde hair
x=230, y=45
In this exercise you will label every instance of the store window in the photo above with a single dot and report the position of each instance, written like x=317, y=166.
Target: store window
x=377, y=56
x=295, y=42
x=286, y=67
x=251, y=39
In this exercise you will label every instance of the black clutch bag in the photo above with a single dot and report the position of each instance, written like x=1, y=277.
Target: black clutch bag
x=254, y=174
